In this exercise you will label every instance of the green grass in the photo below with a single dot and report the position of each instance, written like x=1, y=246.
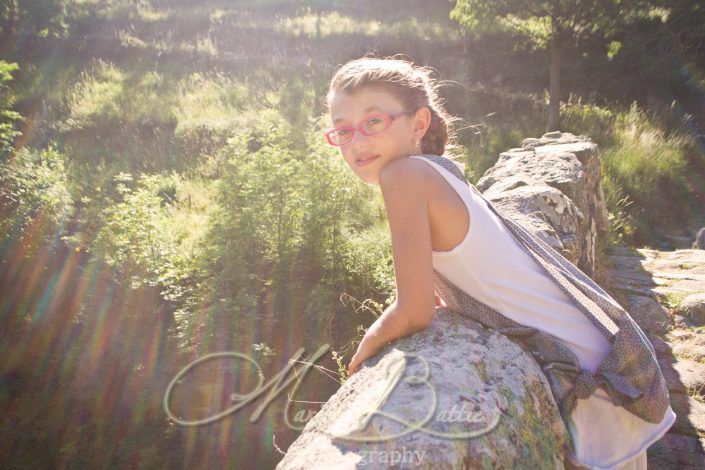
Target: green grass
x=644, y=168
x=106, y=92
x=331, y=23
x=643, y=155
x=674, y=299
x=212, y=100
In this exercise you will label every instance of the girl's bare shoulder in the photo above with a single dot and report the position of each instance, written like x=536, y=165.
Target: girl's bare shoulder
x=409, y=172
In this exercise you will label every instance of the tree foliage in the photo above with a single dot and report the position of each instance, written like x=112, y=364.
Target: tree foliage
x=31, y=20
x=685, y=27
x=8, y=117
x=556, y=25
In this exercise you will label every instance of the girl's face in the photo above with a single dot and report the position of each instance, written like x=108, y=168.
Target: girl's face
x=396, y=141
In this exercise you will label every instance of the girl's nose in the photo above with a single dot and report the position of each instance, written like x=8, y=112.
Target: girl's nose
x=358, y=137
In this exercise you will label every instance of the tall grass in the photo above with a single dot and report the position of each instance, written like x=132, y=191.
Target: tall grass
x=644, y=168
x=642, y=155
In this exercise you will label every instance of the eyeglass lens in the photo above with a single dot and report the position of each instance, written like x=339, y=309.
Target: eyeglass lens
x=371, y=125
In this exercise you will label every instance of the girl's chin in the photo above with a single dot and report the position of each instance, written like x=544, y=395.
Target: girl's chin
x=369, y=178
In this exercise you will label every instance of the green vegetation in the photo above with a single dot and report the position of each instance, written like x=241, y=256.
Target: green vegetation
x=8, y=117
x=674, y=299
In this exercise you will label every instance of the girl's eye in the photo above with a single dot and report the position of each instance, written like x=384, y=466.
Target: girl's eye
x=343, y=131
x=373, y=121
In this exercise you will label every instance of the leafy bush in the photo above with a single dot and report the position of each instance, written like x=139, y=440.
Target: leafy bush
x=133, y=238
x=34, y=199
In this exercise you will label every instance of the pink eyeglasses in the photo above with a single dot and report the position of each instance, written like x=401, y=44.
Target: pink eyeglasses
x=371, y=125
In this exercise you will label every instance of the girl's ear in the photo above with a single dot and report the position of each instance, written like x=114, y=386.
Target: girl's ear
x=422, y=119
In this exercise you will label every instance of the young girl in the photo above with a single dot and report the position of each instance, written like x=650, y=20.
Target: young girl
x=386, y=114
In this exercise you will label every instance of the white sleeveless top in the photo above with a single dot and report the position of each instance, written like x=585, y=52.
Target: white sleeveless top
x=490, y=265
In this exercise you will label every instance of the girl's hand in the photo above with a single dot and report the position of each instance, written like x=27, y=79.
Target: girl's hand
x=365, y=350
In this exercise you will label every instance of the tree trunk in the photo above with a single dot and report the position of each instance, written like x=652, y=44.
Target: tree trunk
x=554, y=86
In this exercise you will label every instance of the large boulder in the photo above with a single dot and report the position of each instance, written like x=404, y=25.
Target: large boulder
x=693, y=306
x=484, y=395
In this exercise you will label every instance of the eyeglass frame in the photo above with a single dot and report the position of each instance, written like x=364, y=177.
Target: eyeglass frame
x=388, y=118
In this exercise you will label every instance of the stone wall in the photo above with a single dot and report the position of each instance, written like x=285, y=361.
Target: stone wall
x=457, y=395
x=552, y=186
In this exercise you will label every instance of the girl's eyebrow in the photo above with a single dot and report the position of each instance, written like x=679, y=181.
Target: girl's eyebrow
x=366, y=110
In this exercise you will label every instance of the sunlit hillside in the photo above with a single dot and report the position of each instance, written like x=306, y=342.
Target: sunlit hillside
x=166, y=192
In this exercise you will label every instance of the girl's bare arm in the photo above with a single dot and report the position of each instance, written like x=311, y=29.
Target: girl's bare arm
x=403, y=183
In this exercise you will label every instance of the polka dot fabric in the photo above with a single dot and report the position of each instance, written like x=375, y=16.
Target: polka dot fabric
x=630, y=373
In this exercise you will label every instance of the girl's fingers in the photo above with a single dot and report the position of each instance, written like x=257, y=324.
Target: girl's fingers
x=351, y=366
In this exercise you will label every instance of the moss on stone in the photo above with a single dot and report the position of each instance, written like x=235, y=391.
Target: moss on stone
x=536, y=442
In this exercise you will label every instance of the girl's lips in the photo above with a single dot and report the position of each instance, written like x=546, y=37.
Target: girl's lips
x=367, y=161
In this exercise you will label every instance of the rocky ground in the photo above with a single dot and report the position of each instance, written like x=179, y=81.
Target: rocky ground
x=664, y=291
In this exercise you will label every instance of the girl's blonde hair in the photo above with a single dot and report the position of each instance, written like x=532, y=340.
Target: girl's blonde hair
x=411, y=84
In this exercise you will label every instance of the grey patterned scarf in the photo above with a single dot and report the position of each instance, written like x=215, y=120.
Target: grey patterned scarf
x=629, y=373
